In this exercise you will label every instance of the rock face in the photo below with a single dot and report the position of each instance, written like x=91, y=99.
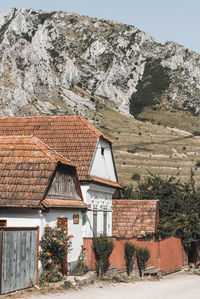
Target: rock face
x=47, y=58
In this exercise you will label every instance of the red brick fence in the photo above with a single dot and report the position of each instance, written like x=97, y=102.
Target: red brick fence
x=168, y=254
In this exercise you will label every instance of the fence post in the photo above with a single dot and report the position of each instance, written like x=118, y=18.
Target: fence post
x=38, y=237
x=1, y=254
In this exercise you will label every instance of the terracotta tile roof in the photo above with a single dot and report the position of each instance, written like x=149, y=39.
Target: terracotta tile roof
x=132, y=218
x=26, y=166
x=71, y=136
x=59, y=203
x=95, y=179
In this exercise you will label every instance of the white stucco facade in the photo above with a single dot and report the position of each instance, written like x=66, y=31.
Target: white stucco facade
x=99, y=200
x=98, y=196
x=32, y=218
x=103, y=165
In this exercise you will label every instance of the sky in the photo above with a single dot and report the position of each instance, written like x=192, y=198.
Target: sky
x=165, y=20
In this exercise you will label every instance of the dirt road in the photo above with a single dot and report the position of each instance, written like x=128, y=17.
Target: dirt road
x=174, y=286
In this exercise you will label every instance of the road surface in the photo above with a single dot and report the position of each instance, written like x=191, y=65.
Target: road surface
x=180, y=285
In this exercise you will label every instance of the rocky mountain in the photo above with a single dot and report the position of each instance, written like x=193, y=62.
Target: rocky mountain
x=59, y=63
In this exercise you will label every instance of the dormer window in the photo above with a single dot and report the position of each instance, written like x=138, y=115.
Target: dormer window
x=102, y=151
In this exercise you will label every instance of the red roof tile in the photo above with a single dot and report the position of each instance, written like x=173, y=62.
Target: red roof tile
x=72, y=136
x=59, y=203
x=26, y=166
x=95, y=179
x=133, y=218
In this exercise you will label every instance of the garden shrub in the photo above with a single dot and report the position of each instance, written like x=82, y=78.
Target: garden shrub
x=54, y=246
x=80, y=267
x=51, y=275
x=136, y=176
x=198, y=163
x=129, y=255
x=142, y=254
x=67, y=285
x=103, y=247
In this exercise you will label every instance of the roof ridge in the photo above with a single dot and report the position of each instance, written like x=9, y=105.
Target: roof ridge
x=93, y=129
x=37, y=116
x=16, y=136
x=51, y=153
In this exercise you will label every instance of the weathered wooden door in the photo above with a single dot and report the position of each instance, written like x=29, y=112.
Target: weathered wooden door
x=18, y=258
x=64, y=268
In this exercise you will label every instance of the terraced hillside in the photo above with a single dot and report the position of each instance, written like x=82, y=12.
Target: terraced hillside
x=141, y=147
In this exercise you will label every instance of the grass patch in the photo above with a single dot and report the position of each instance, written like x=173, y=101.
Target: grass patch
x=178, y=119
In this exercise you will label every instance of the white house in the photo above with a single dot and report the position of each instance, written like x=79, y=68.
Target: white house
x=77, y=140
x=37, y=186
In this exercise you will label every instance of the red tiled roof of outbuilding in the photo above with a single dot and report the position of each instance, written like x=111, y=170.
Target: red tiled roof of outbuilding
x=134, y=218
x=71, y=136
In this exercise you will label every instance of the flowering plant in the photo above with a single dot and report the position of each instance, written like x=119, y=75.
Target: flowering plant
x=54, y=246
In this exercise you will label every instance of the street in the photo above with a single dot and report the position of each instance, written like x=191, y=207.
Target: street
x=179, y=285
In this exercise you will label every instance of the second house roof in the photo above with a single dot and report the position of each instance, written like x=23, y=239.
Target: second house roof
x=26, y=168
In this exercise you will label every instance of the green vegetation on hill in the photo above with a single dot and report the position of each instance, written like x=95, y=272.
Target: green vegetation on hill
x=142, y=147
x=171, y=118
x=154, y=82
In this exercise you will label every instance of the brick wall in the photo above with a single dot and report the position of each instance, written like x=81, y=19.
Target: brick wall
x=132, y=218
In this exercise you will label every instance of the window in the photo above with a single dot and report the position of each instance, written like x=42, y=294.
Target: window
x=102, y=151
x=105, y=223
x=3, y=223
x=95, y=223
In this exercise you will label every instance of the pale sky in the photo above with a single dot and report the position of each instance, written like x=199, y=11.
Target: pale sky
x=165, y=20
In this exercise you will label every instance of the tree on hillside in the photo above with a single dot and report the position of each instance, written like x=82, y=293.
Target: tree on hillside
x=179, y=206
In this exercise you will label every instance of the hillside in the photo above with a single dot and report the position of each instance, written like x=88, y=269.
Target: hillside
x=43, y=56
x=141, y=147
x=63, y=63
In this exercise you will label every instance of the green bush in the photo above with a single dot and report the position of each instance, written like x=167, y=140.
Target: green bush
x=80, y=267
x=52, y=275
x=198, y=163
x=67, y=285
x=142, y=254
x=129, y=255
x=103, y=247
x=136, y=177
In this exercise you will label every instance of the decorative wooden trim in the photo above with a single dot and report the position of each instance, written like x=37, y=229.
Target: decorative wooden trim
x=19, y=228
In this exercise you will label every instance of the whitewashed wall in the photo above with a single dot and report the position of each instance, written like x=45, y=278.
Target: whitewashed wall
x=98, y=198
x=74, y=229
x=103, y=165
x=31, y=218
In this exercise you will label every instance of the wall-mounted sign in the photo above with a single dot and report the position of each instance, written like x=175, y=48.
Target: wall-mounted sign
x=76, y=218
